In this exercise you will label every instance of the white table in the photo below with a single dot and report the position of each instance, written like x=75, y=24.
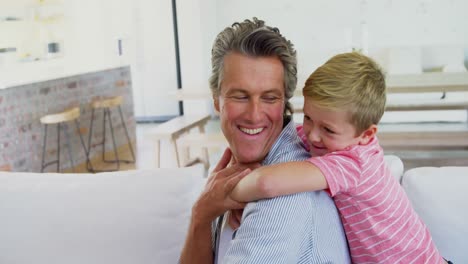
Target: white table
x=410, y=83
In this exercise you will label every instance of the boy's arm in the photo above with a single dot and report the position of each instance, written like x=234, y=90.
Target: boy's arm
x=270, y=181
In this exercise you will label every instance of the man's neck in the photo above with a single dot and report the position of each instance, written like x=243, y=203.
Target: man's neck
x=250, y=165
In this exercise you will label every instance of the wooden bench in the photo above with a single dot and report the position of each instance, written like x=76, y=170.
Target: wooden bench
x=393, y=135
x=420, y=105
x=404, y=136
x=423, y=136
x=173, y=129
x=431, y=135
x=205, y=142
x=429, y=143
x=428, y=105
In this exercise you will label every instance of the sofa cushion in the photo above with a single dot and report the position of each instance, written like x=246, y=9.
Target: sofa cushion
x=118, y=217
x=440, y=198
x=395, y=165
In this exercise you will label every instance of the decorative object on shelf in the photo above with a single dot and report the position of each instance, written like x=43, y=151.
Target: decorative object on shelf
x=5, y=50
x=35, y=29
x=53, y=47
x=10, y=18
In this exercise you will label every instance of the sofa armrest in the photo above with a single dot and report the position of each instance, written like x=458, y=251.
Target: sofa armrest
x=440, y=198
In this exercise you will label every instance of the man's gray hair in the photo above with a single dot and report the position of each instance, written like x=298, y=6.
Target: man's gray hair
x=254, y=38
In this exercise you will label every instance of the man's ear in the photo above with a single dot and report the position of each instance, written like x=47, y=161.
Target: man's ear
x=367, y=135
x=216, y=103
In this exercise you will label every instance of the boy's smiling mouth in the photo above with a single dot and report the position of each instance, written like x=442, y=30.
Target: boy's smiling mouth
x=318, y=147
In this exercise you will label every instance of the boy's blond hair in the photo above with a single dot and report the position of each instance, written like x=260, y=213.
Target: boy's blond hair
x=351, y=82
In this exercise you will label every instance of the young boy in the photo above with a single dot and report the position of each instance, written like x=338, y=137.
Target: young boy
x=343, y=102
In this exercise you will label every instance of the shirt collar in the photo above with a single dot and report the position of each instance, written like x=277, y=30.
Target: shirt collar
x=289, y=130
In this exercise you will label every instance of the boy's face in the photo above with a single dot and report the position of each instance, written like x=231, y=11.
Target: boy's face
x=330, y=130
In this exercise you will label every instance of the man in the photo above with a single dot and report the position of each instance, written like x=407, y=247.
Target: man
x=253, y=78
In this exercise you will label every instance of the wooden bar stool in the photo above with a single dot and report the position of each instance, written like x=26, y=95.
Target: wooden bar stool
x=59, y=119
x=106, y=105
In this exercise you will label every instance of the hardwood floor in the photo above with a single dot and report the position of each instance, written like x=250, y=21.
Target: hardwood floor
x=99, y=165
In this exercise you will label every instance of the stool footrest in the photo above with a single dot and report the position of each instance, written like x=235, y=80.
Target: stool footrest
x=120, y=160
x=98, y=171
x=49, y=163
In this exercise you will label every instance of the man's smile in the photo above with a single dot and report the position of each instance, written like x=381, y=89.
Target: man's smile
x=251, y=131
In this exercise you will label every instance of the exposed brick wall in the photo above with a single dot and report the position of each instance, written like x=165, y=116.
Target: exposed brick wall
x=21, y=107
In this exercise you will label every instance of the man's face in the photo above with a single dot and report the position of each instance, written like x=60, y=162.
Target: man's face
x=251, y=105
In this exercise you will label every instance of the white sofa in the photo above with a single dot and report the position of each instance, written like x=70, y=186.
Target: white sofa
x=140, y=217
x=440, y=196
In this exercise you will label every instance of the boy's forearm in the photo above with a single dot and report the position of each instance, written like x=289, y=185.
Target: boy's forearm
x=247, y=189
x=279, y=179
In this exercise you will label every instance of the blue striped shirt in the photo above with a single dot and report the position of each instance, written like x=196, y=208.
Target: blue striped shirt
x=299, y=228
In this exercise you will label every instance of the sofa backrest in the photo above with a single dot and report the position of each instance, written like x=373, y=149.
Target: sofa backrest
x=395, y=165
x=118, y=217
x=440, y=197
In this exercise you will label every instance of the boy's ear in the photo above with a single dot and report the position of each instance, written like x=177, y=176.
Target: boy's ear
x=367, y=135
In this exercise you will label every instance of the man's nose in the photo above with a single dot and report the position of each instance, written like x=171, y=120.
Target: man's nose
x=254, y=111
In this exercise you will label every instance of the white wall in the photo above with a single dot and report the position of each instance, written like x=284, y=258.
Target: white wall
x=153, y=59
x=321, y=28
x=195, y=49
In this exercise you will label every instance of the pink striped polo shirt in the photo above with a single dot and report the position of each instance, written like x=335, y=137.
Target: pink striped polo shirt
x=380, y=223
